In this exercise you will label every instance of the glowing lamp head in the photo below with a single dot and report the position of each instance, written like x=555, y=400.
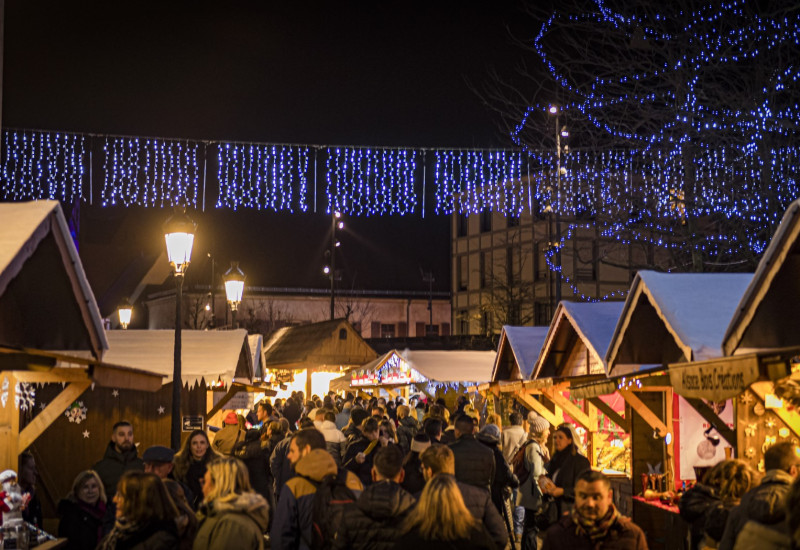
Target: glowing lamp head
x=564, y=132
x=125, y=312
x=340, y=225
x=326, y=270
x=553, y=110
x=234, y=285
x=179, y=235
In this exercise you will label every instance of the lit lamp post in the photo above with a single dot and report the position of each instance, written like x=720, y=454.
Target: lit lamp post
x=330, y=271
x=179, y=235
x=234, y=287
x=125, y=311
x=561, y=131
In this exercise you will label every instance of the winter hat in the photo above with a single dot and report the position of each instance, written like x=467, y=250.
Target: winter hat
x=537, y=424
x=158, y=453
x=231, y=418
x=8, y=475
x=490, y=432
x=420, y=443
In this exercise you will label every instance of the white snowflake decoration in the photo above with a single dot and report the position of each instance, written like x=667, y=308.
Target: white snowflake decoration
x=4, y=392
x=76, y=412
x=24, y=396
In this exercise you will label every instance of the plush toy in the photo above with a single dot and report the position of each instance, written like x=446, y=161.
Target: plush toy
x=12, y=501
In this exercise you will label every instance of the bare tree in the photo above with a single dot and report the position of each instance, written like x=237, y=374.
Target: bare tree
x=509, y=295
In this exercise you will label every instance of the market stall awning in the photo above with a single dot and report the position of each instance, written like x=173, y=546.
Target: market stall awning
x=766, y=316
x=674, y=317
x=578, y=339
x=517, y=352
x=206, y=354
x=329, y=345
x=45, y=300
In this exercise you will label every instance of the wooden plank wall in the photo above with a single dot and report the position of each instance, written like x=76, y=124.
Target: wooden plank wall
x=644, y=448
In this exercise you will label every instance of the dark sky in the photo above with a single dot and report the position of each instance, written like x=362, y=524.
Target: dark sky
x=347, y=73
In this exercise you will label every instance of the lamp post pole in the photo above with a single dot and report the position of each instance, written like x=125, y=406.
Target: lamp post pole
x=557, y=215
x=333, y=262
x=177, y=383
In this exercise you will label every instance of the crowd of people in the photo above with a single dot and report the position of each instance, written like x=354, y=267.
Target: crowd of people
x=379, y=474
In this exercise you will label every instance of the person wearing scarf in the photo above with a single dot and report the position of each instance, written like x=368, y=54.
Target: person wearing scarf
x=564, y=469
x=594, y=522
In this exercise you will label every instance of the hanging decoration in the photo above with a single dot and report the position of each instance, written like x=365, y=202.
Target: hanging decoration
x=470, y=182
x=4, y=392
x=43, y=165
x=264, y=177
x=24, y=396
x=150, y=172
x=161, y=409
x=371, y=182
x=86, y=434
x=76, y=412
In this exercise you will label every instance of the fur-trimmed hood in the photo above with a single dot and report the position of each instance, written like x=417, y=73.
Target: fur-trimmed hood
x=250, y=504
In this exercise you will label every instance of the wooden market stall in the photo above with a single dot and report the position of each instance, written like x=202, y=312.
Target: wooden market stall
x=329, y=346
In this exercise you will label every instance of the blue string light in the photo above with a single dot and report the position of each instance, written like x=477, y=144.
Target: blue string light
x=43, y=165
x=150, y=172
x=265, y=177
x=371, y=182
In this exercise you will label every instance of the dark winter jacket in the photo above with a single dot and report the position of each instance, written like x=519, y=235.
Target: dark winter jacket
x=763, y=504
x=256, y=458
x=114, y=464
x=623, y=535
x=448, y=436
x=194, y=474
x=479, y=503
x=373, y=521
x=156, y=535
x=414, y=481
x=504, y=479
x=238, y=523
x=279, y=466
x=564, y=469
x=291, y=527
x=478, y=540
x=80, y=523
x=694, y=506
x=363, y=470
x=474, y=462
x=292, y=412
x=407, y=428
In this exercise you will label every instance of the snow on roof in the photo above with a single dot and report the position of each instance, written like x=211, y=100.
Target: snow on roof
x=452, y=365
x=255, y=342
x=525, y=344
x=594, y=322
x=695, y=309
x=28, y=251
x=205, y=354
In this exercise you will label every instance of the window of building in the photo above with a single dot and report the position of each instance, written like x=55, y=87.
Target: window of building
x=462, y=225
x=511, y=274
x=463, y=322
x=482, y=268
x=486, y=221
x=387, y=331
x=512, y=221
x=542, y=314
x=462, y=274
x=486, y=323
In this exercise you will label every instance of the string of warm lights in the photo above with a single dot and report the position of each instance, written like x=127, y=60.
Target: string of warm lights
x=43, y=165
x=150, y=172
x=265, y=177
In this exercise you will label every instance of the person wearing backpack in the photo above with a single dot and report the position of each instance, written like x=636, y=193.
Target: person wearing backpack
x=534, y=456
x=373, y=521
x=300, y=507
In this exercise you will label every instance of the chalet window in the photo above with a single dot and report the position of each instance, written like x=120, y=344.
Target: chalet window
x=342, y=334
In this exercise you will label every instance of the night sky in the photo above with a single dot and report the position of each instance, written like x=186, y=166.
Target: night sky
x=357, y=73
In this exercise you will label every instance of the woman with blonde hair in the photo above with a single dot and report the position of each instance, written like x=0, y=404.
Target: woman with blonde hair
x=442, y=520
x=145, y=515
x=190, y=464
x=231, y=510
x=81, y=512
x=735, y=478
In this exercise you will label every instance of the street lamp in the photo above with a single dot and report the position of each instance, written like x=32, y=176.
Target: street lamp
x=179, y=235
x=234, y=287
x=336, y=223
x=561, y=131
x=125, y=310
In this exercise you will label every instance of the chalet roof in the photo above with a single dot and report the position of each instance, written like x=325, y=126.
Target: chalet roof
x=588, y=325
x=766, y=316
x=672, y=317
x=328, y=345
x=45, y=300
x=205, y=354
x=517, y=352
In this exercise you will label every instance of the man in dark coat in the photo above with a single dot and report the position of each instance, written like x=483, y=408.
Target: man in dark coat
x=374, y=520
x=594, y=523
x=474, y=461
x=438, y=459
x=360, y=453
x=120, y=457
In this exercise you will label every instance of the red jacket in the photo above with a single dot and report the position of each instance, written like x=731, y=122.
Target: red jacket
x=623, y=535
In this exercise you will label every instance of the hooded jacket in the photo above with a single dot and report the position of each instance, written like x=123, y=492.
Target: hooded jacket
x=335, y=440
x=474, y=461
x=763, y=504
x=243, y=520
x=114, y=463
x=373, y=521
x=291, y=527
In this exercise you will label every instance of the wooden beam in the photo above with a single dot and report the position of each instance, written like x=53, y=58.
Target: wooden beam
x=570, y=408
x=54, y=376
x=791, y=419
x=614, y=416
x=534, y=405
x=711, y=417
x=125, y=378
x=593, y=437
x=9, y=425
x=644, y=411
x=54, y=410
x=233, y=390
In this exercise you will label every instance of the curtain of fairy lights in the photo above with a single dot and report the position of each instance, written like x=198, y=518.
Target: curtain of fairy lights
x=473, y=181
x=150, y=172
x=44, y=165
x=264, y=177
x=371, y=182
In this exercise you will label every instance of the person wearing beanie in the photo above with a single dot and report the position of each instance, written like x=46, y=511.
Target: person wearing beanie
x=231, y=433
x=414, y=482
x=531, y=496
x=504, y=479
